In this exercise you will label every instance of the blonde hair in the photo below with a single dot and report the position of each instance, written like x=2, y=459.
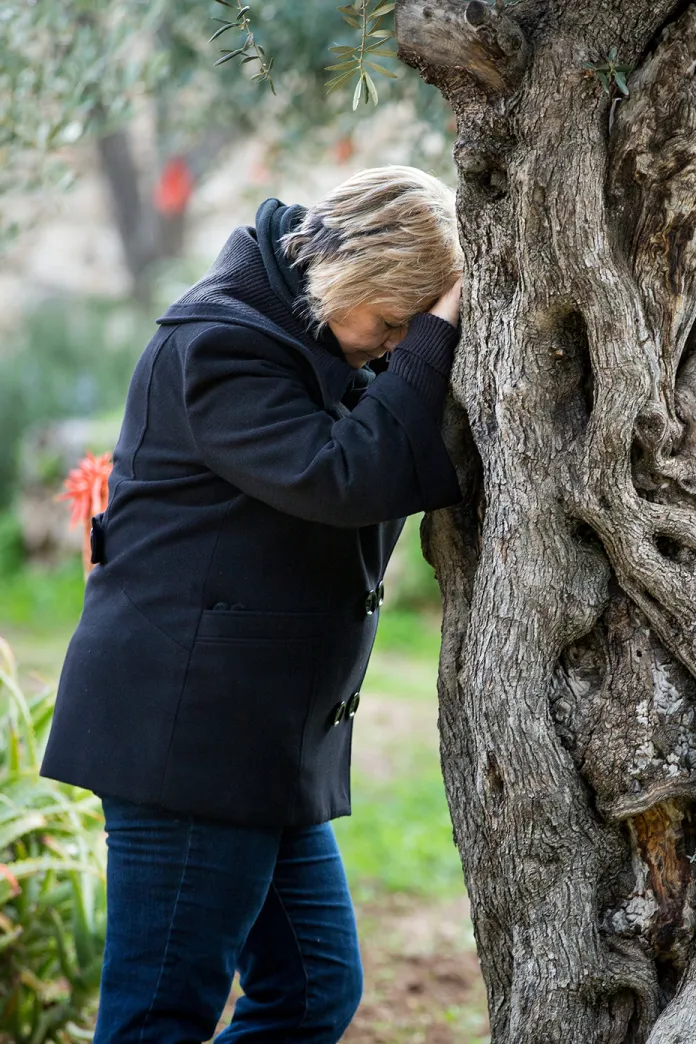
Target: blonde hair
x=387, y=236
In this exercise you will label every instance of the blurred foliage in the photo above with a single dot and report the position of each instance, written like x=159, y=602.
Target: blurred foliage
x=79, y=66
x=72, y=358
x=410, y=579
x=11, y=545
x=40, y=597
x=298, y=35
x=65, y=65
x=52, y=882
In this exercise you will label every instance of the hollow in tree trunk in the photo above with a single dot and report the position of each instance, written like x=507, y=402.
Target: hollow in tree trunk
x=568, y=573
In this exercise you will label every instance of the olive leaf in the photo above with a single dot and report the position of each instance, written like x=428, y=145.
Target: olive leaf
x=365, y=15
x=252, y=51
x=609, y=71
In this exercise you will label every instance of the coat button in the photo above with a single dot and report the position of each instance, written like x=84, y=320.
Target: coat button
x=337, y=713
x=380, y=593
x=352, y=704
x=371, y=603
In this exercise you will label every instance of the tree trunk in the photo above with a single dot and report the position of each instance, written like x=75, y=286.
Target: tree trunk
x=134, y=218
x=568, y=573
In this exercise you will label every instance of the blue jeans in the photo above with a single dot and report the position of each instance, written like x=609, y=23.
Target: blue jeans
x=190, y=900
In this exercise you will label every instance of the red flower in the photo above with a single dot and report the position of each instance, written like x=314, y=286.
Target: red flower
x=174, y=188
x=87, y=487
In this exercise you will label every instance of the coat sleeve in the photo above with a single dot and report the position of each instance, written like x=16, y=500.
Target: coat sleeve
x=255, y=424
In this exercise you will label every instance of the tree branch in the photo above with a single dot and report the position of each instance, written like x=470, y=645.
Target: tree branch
x=473, y=37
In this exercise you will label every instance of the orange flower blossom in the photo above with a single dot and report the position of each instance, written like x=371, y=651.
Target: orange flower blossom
x=87, y=487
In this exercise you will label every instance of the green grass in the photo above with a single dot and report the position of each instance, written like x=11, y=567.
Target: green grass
x=399, y=838
x=414, y=634
x=41, y=599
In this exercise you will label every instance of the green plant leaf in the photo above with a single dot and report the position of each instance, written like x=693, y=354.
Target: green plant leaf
x=337, y=81
x=612, y=54
x=24, y=824
x=230, y=54
x=220, y=31
x=381, y=34
x=342, y=50
x=381, y=69
x=384, y=52
x=621, y=82
x=371, y=89
x=358, y=93
x=353, y=22
x=604, y=80
x=7, y=940
x=383, y=9
x=342, y=65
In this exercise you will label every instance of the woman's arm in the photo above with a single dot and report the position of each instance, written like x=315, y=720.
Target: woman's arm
x=256, y=426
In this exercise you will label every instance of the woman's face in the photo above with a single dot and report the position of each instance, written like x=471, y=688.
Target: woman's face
x=367, y=332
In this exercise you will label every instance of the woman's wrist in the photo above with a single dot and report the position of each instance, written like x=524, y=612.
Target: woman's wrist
x=433, y=339
x=424, y=358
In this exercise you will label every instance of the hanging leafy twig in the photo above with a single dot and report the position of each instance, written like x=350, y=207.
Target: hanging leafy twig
x=251, y=51
x=608, y=71
x=357, y=60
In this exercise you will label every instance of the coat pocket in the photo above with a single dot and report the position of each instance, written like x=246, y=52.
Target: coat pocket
x=237, y=742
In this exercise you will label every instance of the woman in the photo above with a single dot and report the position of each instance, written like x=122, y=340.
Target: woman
x=259, y=485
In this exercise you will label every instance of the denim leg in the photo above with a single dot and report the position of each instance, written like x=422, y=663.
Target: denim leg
x=182, y=895
x=300, y=967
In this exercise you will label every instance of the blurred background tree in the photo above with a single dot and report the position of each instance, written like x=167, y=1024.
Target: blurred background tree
x=79, y=68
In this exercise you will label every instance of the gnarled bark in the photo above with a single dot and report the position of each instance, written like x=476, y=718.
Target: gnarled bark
x=568, y=670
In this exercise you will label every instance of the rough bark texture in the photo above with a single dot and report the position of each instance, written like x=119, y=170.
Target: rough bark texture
x=568, y=669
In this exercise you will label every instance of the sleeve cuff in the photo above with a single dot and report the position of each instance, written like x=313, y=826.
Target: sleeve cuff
x=424, y=359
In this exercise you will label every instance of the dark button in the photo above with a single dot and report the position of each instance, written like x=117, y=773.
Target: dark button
x=337, y=713
x=221, y=606
x=96, y=541
x=371, y=603
x=353, y=704
x=380, y=593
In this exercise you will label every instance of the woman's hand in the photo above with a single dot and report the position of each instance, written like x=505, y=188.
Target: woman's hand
x=448, y=306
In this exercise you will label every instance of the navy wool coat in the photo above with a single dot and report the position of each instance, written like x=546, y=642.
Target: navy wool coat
x=258, y=489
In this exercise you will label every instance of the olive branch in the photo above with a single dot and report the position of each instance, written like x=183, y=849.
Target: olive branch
x=363, y=16
x=251, y=51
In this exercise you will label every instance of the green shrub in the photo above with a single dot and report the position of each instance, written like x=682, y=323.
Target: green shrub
x=43, y=598
x=74, y=358
x=411, y=582
x=11, y=544
x=52, y=882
